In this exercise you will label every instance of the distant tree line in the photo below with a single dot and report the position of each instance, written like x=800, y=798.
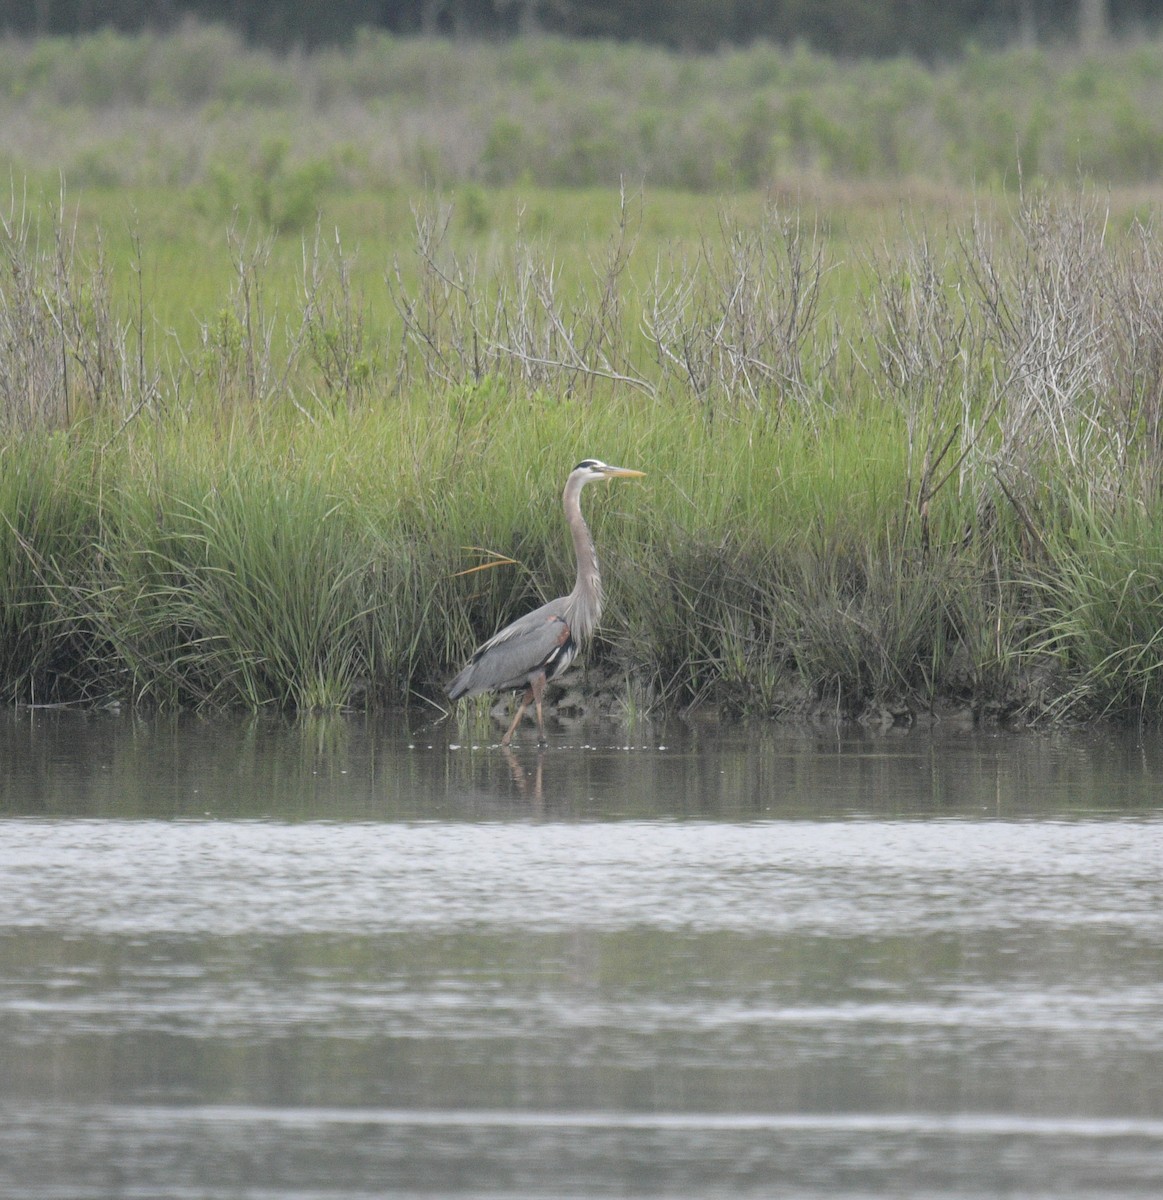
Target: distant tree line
x=926, y=28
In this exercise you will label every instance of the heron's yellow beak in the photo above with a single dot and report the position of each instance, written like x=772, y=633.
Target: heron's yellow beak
x=623, y=473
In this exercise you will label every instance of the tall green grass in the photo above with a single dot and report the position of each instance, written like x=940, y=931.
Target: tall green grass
x=240, y=589
x=875, y=485
x=46, y=529
x=1101, y=608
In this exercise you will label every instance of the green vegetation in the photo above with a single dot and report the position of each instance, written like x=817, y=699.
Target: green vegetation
x=903, y=445
x=877, y=483
x=270, y=135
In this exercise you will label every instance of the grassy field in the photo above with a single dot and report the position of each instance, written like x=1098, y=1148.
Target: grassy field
x=244, y=127
x=902, y=440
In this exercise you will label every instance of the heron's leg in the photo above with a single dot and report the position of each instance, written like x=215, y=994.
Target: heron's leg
x=537, y=690
x=525, y=701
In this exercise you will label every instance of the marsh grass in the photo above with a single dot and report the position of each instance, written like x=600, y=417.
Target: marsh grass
x=1102, y=604
x=259, y=580
x=873, y=484
x=46, y=526
x=153, y=110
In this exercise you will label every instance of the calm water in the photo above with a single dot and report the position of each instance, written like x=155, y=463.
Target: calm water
x=346, y=959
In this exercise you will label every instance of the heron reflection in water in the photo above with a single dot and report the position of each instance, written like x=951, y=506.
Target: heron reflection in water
x=538, y=647
x=530, y=782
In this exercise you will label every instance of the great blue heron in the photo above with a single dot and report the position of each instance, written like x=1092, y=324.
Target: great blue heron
x=539, y=646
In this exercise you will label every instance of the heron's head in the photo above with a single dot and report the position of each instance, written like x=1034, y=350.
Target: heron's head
x=590, y=470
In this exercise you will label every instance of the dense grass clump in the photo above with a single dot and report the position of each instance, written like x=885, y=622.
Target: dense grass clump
x=878, y=484
x=46, y=529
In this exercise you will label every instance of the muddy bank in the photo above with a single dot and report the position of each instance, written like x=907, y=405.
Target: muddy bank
x=603, y=692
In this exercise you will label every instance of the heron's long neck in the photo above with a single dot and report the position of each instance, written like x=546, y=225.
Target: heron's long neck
x=585, y=601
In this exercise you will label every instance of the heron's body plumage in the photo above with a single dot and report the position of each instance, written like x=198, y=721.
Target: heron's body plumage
x=540, y=641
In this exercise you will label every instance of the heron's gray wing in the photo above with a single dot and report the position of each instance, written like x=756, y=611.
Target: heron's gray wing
x=513, y=654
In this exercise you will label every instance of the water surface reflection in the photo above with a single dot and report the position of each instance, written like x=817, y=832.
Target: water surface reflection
x=341, y=958
x=400, y=767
